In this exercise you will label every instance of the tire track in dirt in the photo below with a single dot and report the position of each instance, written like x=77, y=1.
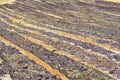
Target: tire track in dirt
x=60, y=52
x=60, y=62
x=53, y=27
x=50, y=48
x=22, y=22
x=34, y=58
x=93, y=40
x=74, y=3
x=48, y=14
x=59, y=43
x=56, y=16
x=39, y=11
x=52, y=15
x=61, y=33
x=56, y=49
x=102, y=32
x=38, y=33
x=14, y=61
x=108, y=41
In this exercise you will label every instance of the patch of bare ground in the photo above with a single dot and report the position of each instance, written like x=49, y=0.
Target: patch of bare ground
x=60, y=40
x=20, y=67
x=2, y=2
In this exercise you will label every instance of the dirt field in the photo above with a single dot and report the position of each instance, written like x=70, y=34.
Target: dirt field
x=60, y=40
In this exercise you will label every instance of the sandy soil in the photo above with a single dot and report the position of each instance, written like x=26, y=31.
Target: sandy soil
x=2, y=2
x=117, y=1
x=60, y=40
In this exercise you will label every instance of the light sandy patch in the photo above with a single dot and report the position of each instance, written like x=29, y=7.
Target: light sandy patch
x=117, y=1
x=34, y=58
x=1, y=60
x=87, y=1
x=5, y=77
x=2, y=2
